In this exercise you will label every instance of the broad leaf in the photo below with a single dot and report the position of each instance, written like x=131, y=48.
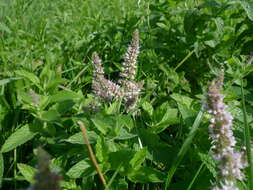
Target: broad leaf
x=101, y=150
x=78, y=138
x=29, y=76
x=169, y=118
x=65, y=95
x=148, y=108
x=124, y=134
x=27, y=171
x=19, y=137
x=84, y=167
x=51, y=115
x=138, y=158
x=103, y=124
x=146, y=174
x=248, y=7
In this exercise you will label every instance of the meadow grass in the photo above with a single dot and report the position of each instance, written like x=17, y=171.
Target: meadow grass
x=46, y=76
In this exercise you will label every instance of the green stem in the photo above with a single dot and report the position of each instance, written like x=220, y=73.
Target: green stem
x=247, y=138
x=184, y=148
x=195, y=177
x=179, y=64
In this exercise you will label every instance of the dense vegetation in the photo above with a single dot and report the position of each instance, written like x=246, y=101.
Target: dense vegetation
x=46, y=77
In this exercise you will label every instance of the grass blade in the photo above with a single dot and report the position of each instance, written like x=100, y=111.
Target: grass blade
x=247, y=138
x=113, y=177
x=1, y=169
x=184, y=148
x=195, y=176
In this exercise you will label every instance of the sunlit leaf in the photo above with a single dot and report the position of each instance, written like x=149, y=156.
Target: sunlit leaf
x=19, y=137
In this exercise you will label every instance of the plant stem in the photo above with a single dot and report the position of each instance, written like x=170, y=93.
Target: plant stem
x=247, y=138
x=181, y=62
x=91, y=154
x=184, y=148
x=196, y=175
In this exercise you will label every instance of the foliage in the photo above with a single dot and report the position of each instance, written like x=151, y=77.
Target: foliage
x=45, y=88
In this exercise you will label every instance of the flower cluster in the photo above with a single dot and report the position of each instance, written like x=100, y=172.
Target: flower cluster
x=230, y=161
x=126, y=89
x=45, y=179
x=101, y=86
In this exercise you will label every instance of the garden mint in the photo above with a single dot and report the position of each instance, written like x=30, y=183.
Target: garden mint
x=230, y=162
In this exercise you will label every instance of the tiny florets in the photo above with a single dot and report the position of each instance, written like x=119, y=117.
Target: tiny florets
x=230, y=161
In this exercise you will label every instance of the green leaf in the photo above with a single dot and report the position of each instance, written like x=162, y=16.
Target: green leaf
x=4, y=28
x=29, y=76
x=190, y=21
x=64, y=106
x=1, y=169
x=65, y=95
x=163, y=26
x=219, y=24
x=248, y=7
x=185, y=100
x=124, y=135
x=184, y=106
x=138, y=158
x=55, y=82
x=78, y=138
x=5, y=81
x=27, y=171
x=146, y=174
x=82, y=168
x=19, y=137
x=169, y=118
x=121, y=157
x=103, y=123
x=113, y=108
x=148, y=108
x=51, y=115
x=101, y=150
x=209, y=162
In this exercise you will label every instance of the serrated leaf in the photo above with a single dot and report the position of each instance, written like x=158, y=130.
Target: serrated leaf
x=182, y=99
x=103, y=124
x=101, y=150
x=169, y=118
x=138, y=158
x=64, y=106
x=1, y=169
x=19, y=137
x=146, y=174
x=124, y=135
x=209, y=162
x=55, y=82
x=78, y=138
x=50, y=115
x=248, y=7
x=27, y=171
x=121, y=157
x=148, y=108
x=65, y=95
x=84, y=167
x=29, y=76
x=184, y=106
